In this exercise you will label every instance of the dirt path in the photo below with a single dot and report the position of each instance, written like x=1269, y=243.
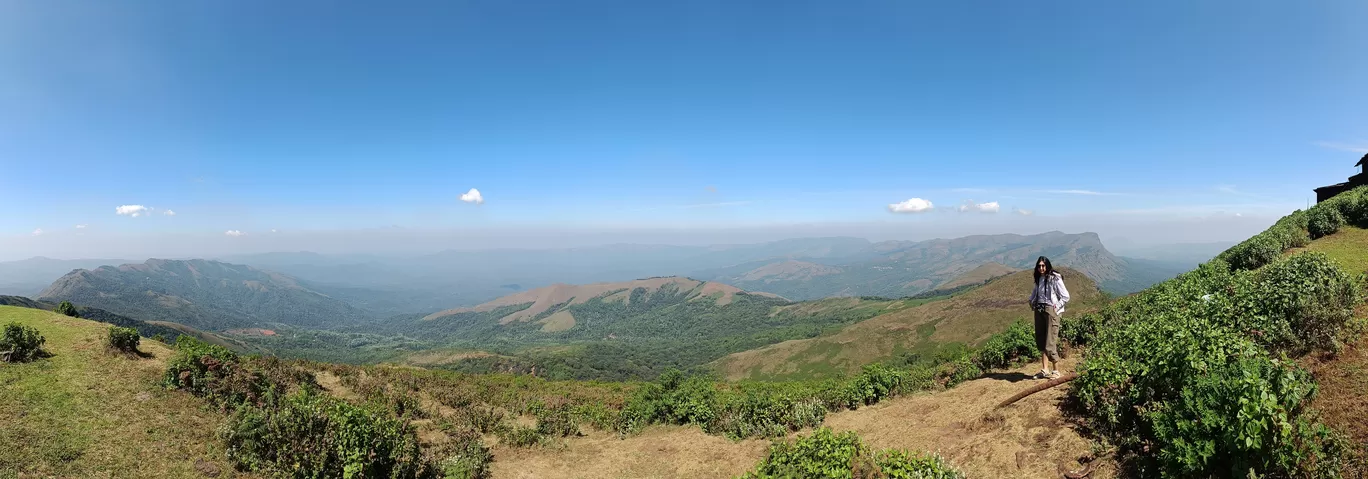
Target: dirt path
x=659, y=452
x=1029, y=439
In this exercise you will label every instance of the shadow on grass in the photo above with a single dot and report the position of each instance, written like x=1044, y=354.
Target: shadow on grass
x=1012, y=377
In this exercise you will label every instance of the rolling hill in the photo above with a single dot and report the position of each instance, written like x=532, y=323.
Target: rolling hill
x=631, y=329
x=902, y=268
x=148, y=329
x=28, y=277
x=965, y=319
x=207, y=295
x=84, y=412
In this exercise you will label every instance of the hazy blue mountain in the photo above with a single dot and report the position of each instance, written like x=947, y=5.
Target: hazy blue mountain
x=204, y=294
x=28, y=277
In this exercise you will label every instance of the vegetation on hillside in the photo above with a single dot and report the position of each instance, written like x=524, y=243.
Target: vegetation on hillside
x=827, y=455
x=1197, y=375
x=20, y=343
x=208, y=295
x=925, y=331
x=76, y=412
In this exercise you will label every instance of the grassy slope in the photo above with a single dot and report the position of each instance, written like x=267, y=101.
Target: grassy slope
x=1349, y=247
x=1343, y=378
x=967, y=319
x=85, y=412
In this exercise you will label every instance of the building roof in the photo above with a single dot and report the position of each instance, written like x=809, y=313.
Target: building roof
x=1362, y=161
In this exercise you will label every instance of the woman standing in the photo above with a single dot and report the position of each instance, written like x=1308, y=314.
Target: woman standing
x=1048, y=299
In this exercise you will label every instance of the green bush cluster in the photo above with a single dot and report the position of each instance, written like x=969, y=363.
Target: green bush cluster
x=22, y=343
x=1194, y=374
x=65, y=307
x=1299, y=228
x=310, y=434
x=825, y=454
x=123, y=339
x=281, y=424
x=465, y=457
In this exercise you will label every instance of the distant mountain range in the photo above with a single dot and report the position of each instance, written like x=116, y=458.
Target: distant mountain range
x=204, y=294
x=30, y=276
x=901, y=268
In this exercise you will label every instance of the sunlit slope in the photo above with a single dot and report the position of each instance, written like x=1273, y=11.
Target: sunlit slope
x=85, y=412
x=965, y=319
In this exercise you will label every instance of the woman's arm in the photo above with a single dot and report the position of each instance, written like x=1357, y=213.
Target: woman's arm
x=1063, y=292
x=1032, y=301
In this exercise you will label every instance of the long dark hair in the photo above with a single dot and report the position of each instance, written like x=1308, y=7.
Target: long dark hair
x=1035, y=268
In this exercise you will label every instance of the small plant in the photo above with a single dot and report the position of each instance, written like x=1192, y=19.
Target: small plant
x=123, y=339
x=521, y=436
x=825, y=454
x=20, y=343
x=466, y=457
x=65, y=307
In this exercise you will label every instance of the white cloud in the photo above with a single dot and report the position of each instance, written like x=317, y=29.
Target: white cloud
x=80, y=227
x=38, y=232
x=274, y=231
x=235, y=233
x=169, y=213
x=1023, y=212
x=132, y=210
x=912, y=205
x=1350, y=147
x=473, y=196
x=970, y=205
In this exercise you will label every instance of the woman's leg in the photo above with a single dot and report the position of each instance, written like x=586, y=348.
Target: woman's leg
x=1052, y=337
x=1042, y=335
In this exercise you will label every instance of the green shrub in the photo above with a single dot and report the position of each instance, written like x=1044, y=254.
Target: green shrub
x=1323, y=221
x=308, y=434
x=1006, y=348
x=557, y=422
x=123, y=339
x=210, y=371
x=65, y=307
x=466, y=457
x=825, y=454
x=23, y=343
x=521, y=436
x=1192, y=370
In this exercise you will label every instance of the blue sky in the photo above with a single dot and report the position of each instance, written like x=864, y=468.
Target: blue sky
x=339, y=116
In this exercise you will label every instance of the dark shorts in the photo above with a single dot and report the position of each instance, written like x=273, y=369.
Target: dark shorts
x=1047, y=332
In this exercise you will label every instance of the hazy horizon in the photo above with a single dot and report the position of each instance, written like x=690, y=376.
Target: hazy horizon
x=184, y=130
x=1117, y=234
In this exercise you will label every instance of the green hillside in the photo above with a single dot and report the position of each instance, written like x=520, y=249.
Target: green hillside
x=918, y=332
x=1192, y=377
x=147, y=329
x=635, y=329
x=86, y=412
x=207, y=295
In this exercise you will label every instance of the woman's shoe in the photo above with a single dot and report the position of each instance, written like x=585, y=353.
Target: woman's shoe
x=1042, y=374
x=1054, y=374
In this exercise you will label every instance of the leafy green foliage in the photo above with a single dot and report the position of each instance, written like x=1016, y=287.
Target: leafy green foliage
x=123, y=339
x=466, y=457
x=66, y=308
x=308, y=434
x=1323, y=222
x=825, y=454
x=1192, y=373
x=22, y=343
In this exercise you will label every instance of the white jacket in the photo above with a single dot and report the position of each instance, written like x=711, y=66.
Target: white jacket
x=1058, y=294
